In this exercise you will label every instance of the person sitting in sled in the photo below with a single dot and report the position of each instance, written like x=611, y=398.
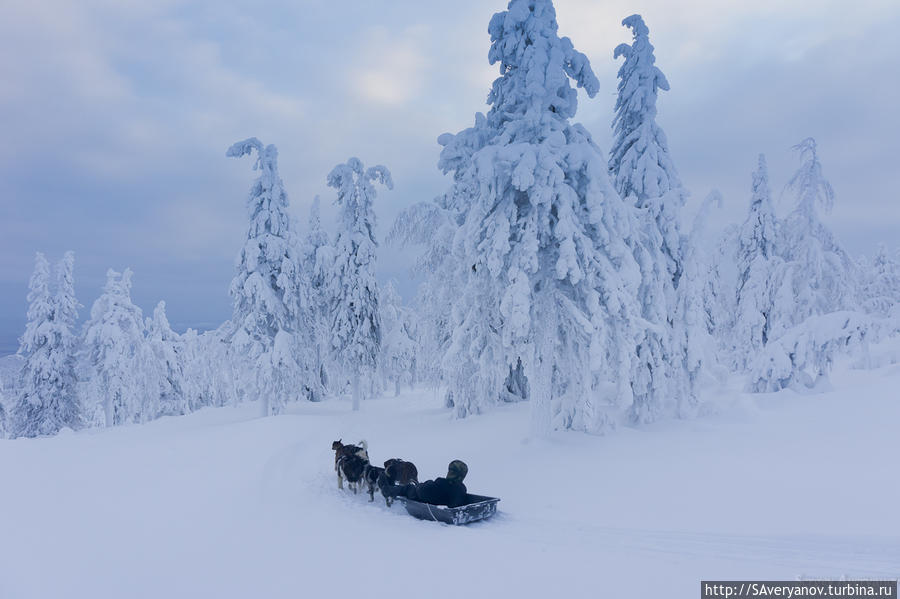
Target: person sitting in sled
x=449, y=491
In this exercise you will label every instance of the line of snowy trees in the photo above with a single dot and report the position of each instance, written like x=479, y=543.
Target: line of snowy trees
x=797, y=299
x=120, y=368
x=550, y=274
x=308, y=320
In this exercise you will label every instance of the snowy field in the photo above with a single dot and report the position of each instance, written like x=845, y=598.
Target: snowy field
x=223, y=504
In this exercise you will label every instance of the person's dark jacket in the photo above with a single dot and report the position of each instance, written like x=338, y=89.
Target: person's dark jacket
x=440, y=491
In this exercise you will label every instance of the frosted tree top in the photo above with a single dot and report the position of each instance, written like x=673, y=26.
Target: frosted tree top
x=267, y=156
x=809, y=184
x=639, y=158
x=356, y=192
x=535, y=65
x=639, y=69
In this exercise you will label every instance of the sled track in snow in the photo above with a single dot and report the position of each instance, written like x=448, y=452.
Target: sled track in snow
x=813, y=555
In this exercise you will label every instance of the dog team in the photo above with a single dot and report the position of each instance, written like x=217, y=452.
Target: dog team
x=352, y=462
x=398, y=478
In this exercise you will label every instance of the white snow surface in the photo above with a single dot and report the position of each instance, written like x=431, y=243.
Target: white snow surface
x=221, y=503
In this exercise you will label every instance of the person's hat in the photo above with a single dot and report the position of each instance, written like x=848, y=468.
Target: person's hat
x=457, y=470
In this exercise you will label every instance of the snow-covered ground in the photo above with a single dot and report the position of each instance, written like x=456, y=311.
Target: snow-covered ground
x=223, y=504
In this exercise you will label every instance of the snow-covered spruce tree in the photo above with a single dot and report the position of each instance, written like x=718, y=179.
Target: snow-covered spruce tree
x=66, y=306
x=398, y=348
x=48, y=401
x=352, y=289
x=639, y=162
x=121, y=366
x=434, y=225
x=725, y=275
x=880, y=288
x=817, y=276
x=542, y=260
x=705, y=301
x=168, y=352
x=271, y=363
x=757, y=263
x=644, y=175
x=196, y=385
x=812, y=317
x=318, y=259
x=4, y=425
x=209, y=378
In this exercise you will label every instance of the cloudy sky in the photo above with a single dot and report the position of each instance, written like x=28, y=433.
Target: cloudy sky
x=116, y=115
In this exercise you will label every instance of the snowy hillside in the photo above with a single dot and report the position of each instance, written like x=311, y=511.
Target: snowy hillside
x=223, y=504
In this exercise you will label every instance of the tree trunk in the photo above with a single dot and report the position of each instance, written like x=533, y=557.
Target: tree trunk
x=540, y=384
x=357, y=391
x=108, y=409
x=539, y=374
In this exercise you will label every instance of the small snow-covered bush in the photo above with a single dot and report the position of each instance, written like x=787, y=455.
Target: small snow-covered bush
x=803, y=357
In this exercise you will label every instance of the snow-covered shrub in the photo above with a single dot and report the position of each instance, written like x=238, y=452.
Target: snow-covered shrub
x=880, y=285
x=883, y=342
x=803, y=356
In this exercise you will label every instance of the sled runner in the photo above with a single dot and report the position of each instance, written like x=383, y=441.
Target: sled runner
x=477, y=507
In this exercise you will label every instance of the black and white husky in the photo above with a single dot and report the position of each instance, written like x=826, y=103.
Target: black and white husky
x=350, y=462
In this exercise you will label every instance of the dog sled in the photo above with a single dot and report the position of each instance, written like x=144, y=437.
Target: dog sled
x=477, y=507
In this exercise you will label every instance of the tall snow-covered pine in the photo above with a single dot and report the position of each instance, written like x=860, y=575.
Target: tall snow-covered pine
x=119, y=361
x=318, y=260
x=757, y=263
x=265, y=291
x=644, y=175
x=356, y=333
x=817, y=275
x=542, y=255
x=399, y=349
x=48, y=400
x=169, y=355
